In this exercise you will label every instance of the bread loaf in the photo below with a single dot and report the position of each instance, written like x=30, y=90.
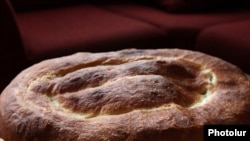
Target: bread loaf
x=126, y=95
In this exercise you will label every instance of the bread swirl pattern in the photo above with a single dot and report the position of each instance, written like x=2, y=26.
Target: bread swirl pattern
x=124, y=95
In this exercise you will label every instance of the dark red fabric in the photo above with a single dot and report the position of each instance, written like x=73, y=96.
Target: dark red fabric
x=195, y=5
x=12, y=57
x=56, y=32
x=229, y=41
x=181, y=29
x=26, y=5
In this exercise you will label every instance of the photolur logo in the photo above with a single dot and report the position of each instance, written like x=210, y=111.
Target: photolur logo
x=235, y=132
x=215, y=132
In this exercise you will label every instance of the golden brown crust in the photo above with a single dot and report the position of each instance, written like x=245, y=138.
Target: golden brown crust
x=133, y=95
